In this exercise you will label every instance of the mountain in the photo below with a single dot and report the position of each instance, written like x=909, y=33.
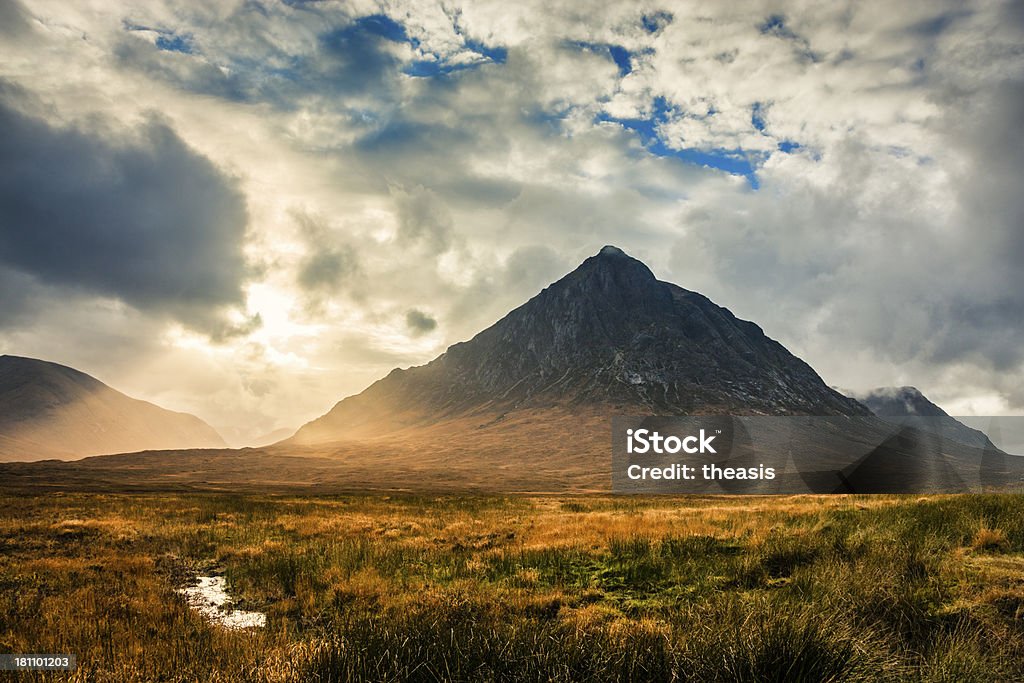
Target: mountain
x=526, y=406
x=607, y=338
x=49, y=410
x=908, y=406
x=900, y=402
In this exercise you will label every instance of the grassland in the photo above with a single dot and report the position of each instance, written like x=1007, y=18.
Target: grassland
x=489, y=588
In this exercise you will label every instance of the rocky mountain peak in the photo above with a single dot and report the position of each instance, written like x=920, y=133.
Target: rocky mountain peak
x=610, y=251
x=614, y=280
x=609, y=336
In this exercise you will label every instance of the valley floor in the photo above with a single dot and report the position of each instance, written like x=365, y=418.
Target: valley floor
x=362, y=587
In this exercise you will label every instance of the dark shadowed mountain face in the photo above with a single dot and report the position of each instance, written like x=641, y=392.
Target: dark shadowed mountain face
x=908, y=406
x=900, y=402
x=611, y=336
x=53, y=411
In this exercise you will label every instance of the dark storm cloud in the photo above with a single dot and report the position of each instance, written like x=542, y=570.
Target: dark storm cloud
x=936, y=25
x=351, y=68
x=989, y=303
x=348, y=58
x=419, y=322
x=326, y=268
x=20, y=297
x=131, y=214
x=14, y=20
x=329, y=262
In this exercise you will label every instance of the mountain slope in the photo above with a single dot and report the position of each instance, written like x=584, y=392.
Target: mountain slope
x=49, y=410
x=900, y=402
x=608, y=337
x=907, y=405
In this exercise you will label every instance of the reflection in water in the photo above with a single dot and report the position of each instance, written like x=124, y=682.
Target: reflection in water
x=209, y=597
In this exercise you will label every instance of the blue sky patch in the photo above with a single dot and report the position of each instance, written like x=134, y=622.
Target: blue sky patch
x=498, y=55
x=166, y=40
x=776, y=25
x=622, y=57
x=733, y=161
x=432, y=68
x=757, y=117
x=172, y=42
x=426, y=68
x=383, y=26
x=653, y=23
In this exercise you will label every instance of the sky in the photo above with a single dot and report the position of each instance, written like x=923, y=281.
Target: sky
x=250, y=210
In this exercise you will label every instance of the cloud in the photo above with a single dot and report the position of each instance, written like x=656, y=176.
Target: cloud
x=419, y=322
x=422, y=218
x=881, y=266
x=14, y=20
x=328, y=264
x=846, y=176
x=131, y=214
x=185, y=70
x=21, y=293
x=362, y=56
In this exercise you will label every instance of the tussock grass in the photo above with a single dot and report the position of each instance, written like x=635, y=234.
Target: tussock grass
x=415, y=588
x=989, y=540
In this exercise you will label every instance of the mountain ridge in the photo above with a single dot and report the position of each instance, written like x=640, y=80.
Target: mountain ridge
x=899, y=402
x=907, y=405
x=49, y=410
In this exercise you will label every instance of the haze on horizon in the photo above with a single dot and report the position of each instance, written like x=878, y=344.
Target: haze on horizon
x=249, y=210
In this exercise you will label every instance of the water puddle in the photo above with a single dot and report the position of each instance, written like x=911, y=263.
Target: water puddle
x=209, y=597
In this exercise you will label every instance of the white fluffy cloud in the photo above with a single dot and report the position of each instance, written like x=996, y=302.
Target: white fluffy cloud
x=845, y=174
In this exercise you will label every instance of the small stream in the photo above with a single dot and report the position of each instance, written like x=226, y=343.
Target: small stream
x=209, y=597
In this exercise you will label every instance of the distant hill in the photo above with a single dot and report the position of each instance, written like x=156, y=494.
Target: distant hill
x=900, y=402
x=609, y=338
x=49, y=410
x=908, y=406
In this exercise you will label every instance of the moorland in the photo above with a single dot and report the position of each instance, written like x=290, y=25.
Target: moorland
x=478, y=587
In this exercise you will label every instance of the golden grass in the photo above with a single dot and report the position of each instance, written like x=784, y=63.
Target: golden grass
x=486, y=588
x=990, y=540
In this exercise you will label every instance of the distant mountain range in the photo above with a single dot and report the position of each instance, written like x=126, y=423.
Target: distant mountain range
x=525, y=405
x=53, y=411
x=607, y=337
